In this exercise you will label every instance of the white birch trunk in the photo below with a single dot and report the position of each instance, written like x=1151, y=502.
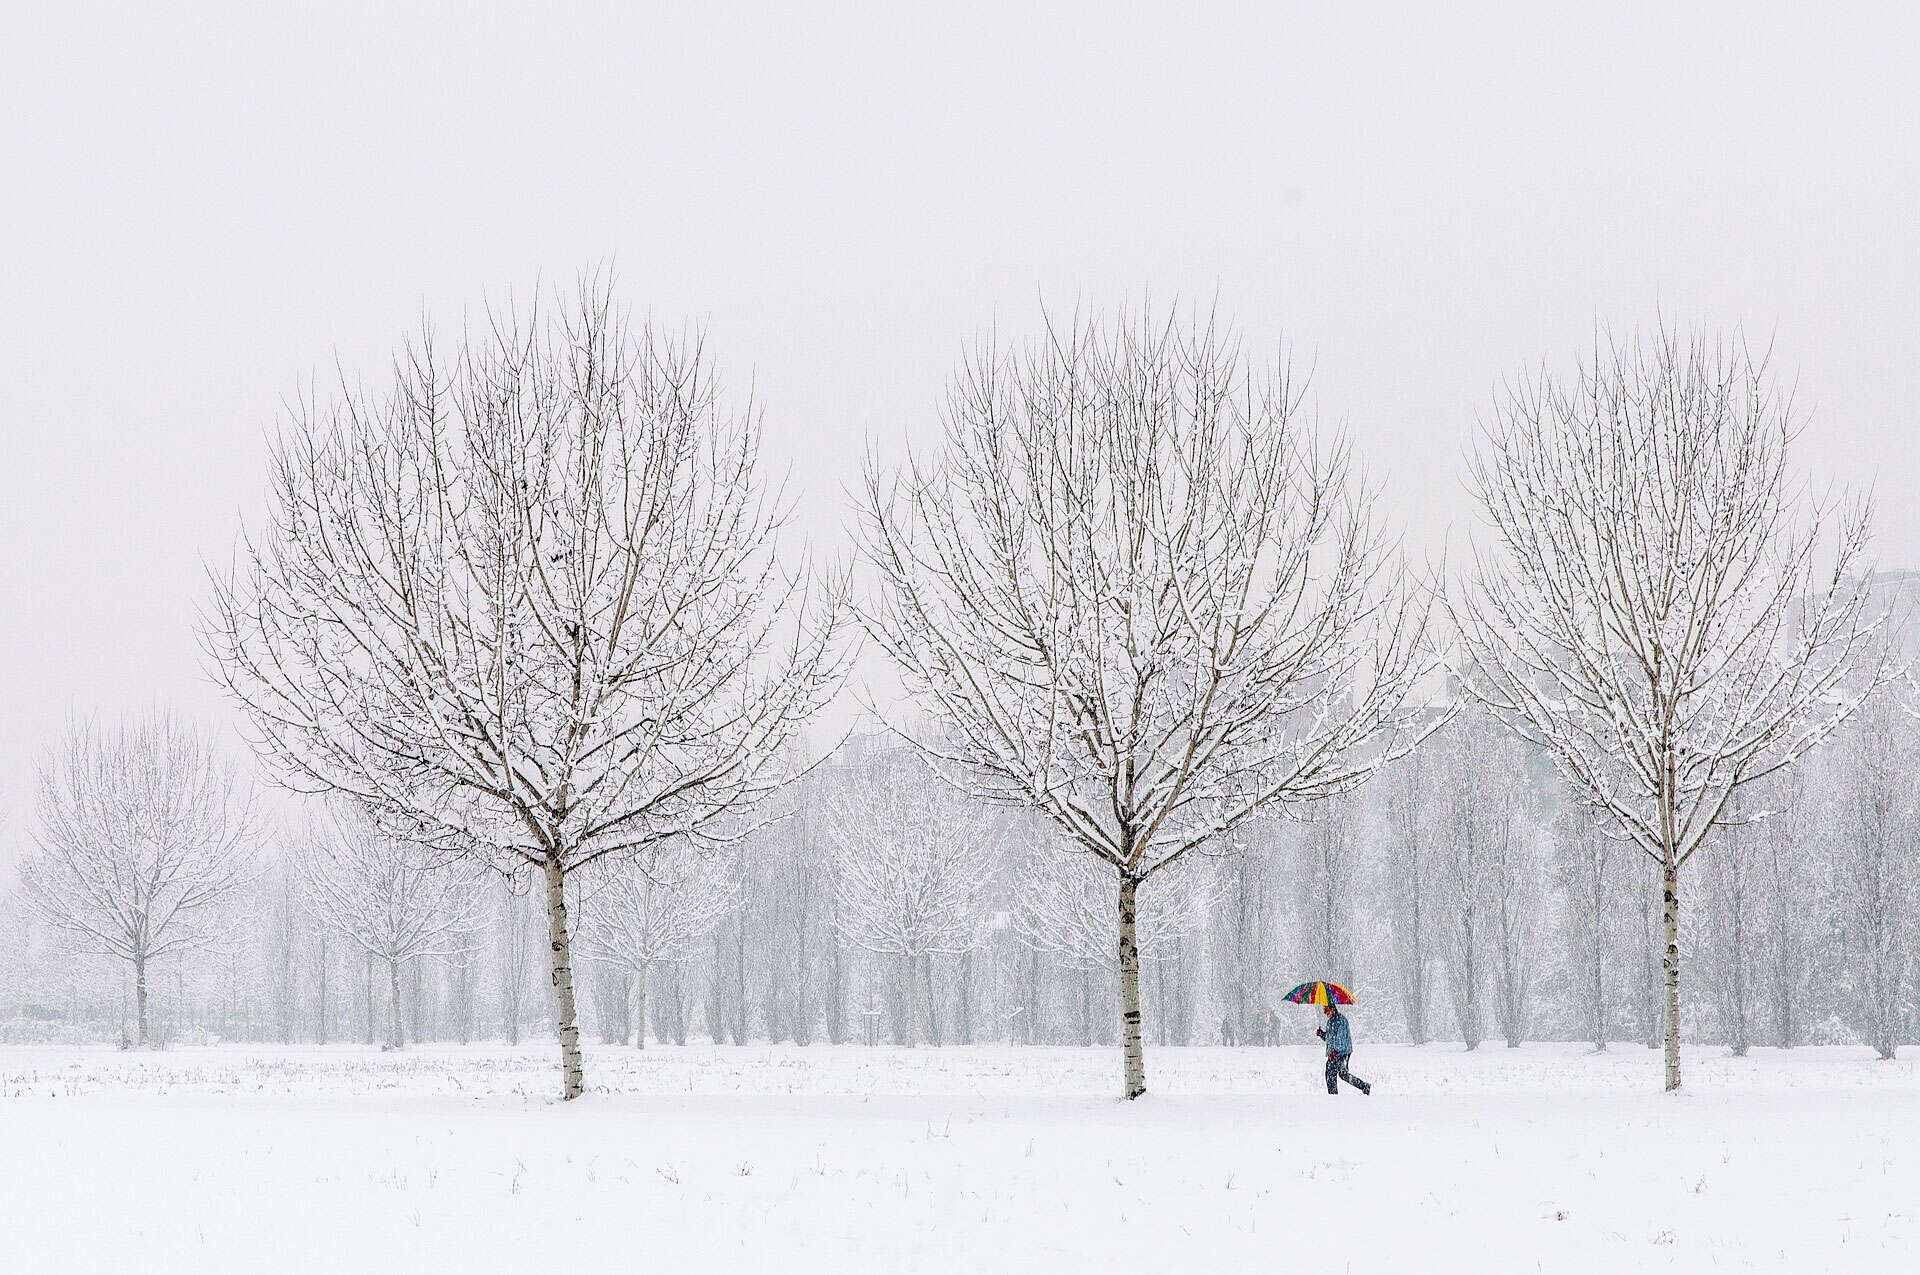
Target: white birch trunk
x=395, y=1038
x=913, y=992
x=566, y=1021
x=640, y=1007
x=1670, y=968
x=139, y=995
x=1135, y=1061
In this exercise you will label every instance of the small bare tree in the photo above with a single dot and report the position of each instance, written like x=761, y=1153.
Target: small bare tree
x=912, y=864
x=142, y=833
x=1411, y=830
x=1514, y=869
x=1062, y=906
x=394, y=899
x=1588, y=861
x=1141, y=597
x=636, y=916
x=1875, y=848
x=516, y=933
x=1726, y=927
x=1655, y=609
x=527, y=603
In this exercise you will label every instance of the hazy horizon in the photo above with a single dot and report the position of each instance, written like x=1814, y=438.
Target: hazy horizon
x=201, y=215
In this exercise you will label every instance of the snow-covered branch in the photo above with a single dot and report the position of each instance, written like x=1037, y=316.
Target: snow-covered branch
x=526, y=601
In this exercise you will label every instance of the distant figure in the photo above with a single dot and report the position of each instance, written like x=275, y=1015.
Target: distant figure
x=1226, y=1030
x=1339, y=1049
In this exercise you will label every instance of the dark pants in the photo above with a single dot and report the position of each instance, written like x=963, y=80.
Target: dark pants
x=1337, y=1070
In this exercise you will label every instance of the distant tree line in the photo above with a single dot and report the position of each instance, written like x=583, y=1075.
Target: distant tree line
x=1451, y=925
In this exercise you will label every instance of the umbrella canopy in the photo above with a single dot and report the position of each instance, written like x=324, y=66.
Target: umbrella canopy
x=1320, y=992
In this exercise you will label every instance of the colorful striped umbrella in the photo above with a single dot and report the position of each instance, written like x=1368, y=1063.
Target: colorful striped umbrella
x=1320, y=992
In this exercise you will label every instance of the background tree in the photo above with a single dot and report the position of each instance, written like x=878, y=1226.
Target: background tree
x=1514, y=868
x=526, y=602
x=394, y=899
x=1409, y=829
x=1245, y=934
x=640, y=916
x=516, y=946
x=1786, y=882
x=1140, y=596
x=1727, y=923
x=142, y=833
x=1323, y=887
x=1479, y=870
x=1660, y=608
x=1587, y=862
x=1062, y=907
x=912, y=865
x=1875, y=845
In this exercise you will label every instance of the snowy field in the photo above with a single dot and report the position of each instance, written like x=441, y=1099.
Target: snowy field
x=1550, y=1158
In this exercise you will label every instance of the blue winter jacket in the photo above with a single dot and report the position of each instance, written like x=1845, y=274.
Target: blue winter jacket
x=1339, y=1039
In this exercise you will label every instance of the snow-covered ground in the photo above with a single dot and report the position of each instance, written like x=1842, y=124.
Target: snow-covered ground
x=342, y=1159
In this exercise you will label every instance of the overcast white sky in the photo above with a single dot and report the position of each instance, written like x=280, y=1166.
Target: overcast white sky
x=198, y=211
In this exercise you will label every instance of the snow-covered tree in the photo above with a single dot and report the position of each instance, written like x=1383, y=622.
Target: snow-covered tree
x=1660, y=607
x=1874, y=841
x=912, y=865
x=1246, y=950
x=1786, y=882
x=1587, y=864
x=1514, y=868
x=526, y=602
x=142, y=834
x=1408, y=810
x=1727, y=924
x=1476, y=816
x=516, y=939
x=1063, y=908
x=392, y=898
x=1141, y=596
x=1324, y=888
x=637, y=916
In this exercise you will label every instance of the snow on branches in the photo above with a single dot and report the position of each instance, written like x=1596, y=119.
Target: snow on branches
x=912, y=862
x=526, y=601
x=636, y=914
x=1063, y=905
x=1142, y=596
x=394, y=899
x=1660, y=607
x=142, y=833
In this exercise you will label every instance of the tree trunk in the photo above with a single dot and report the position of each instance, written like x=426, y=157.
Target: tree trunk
x=1034, y=990
x=1417, y=981
x=463, y=994
x=741, y=1010
x=369, y=998
x=913, y=995
x=321, y=1010
x=963, y=1018
x=934, y=1034
x=640, y=1008
x=572, y=1066
x=1670, y=967
x=836, y=993
x=140, y=997
x=1599, y=992
x=395, y=1039
x=417, y=1022
x=1134, y=1057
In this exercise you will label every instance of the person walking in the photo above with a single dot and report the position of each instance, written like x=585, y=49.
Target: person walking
x=1339, y=1048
